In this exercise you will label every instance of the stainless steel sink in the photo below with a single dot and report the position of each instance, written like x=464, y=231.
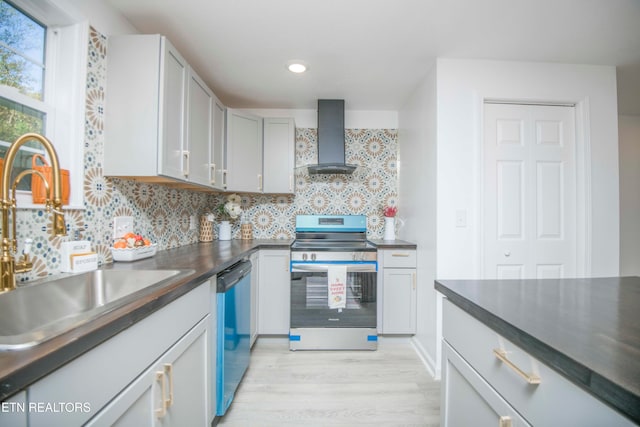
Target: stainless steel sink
x=32, y=314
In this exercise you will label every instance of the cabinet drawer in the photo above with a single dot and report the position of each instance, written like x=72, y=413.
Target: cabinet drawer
x=399, y=258
x=467, y=398
x=554, y=401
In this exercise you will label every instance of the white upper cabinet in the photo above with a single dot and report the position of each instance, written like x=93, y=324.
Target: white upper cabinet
x=145, y=108
x=200, y=153
x=172, y=106
x=279, y=155
x=217, y=148
x=163, y=123
x=243, y=168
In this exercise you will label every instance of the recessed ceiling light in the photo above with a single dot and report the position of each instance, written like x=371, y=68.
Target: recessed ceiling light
x=296, y=67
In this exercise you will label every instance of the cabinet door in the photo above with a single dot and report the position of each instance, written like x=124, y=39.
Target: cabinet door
x=467, y=400
x=279, y=155
x=186, y=370
x=14, y=410
x=255, y=264
x=399, y=301
x=173, y=97
x=243, y=152
x=273, y=295
x=217, y=147
x=172, y=392
x=199, y=131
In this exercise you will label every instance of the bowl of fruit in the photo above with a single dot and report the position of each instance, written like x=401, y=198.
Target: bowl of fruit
x=132, y=247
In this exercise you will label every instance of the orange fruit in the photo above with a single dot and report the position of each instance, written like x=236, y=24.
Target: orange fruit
x=120, y=244
x=147, y=242
x=129, y=236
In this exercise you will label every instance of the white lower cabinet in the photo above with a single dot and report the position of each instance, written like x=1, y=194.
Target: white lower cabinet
x=14, y=410
x=170, y=393
x=152, y=373
x=255, y=280
x=467, y=400
x=479, y=388
x=399, y=290
x=273, y=294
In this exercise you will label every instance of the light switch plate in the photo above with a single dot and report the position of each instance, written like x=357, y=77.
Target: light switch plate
x=461, y=218
x=122, y=225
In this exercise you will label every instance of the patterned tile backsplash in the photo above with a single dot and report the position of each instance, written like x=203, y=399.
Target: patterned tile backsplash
x=163, y=214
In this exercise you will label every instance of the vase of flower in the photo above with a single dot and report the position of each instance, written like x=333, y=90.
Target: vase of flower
x=390, y=222
x=227, y=211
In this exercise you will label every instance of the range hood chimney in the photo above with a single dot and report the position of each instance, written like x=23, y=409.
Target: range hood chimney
x=331, y=154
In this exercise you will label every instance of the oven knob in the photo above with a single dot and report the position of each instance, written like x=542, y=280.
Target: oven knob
x=313, y=257
x=304, y=256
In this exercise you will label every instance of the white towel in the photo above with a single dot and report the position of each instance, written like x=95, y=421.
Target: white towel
x=337, y=277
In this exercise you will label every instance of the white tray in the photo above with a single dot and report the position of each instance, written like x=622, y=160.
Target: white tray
x=133, y=254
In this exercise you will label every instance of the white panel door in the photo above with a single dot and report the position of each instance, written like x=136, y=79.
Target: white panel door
x=529, y=191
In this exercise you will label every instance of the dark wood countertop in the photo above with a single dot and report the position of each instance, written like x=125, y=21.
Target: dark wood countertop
x=586, y=329
x=393, y=244
x=20, y=368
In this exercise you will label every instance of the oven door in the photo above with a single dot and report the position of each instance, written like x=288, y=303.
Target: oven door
x=310, y=296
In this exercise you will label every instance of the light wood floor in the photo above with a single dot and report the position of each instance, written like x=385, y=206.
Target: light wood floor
x=387, y=387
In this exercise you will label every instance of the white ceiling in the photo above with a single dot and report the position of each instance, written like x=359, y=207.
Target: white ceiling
x=373, y=53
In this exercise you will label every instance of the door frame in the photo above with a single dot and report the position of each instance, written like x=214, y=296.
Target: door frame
x=583, y=178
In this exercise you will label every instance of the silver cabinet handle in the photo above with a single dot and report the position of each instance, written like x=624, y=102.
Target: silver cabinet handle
x=507, y=254
x=502, y=356
x=399, y=255
x=259, y=182
x=504, y=421
x=291, y=183
x=212, y=181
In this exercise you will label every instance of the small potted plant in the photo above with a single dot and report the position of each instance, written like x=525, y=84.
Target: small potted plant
x=389, y=213
x=227, y=211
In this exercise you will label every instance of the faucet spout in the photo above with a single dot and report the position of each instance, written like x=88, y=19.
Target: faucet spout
x=8, y=201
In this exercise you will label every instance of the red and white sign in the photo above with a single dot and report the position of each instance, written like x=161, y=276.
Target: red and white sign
x=337, y=277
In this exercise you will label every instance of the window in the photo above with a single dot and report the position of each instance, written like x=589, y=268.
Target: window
x=22, y=71
x=43, y=61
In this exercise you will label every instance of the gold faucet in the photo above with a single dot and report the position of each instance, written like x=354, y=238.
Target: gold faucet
x=8, y=265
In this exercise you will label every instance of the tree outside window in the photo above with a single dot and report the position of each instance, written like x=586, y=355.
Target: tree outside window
x=22, y=72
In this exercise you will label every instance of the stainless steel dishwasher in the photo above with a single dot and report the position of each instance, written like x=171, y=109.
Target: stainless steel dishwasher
x=233, y=331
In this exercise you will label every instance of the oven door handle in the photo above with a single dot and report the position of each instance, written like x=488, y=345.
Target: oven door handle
x=321, y=268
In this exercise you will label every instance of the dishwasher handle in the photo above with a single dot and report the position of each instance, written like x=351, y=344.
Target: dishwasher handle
x=229, y=277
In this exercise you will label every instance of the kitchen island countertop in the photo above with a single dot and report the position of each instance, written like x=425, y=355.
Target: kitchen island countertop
x=586, y=329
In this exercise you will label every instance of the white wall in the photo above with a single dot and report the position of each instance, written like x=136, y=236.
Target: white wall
x=629, y=127
x=417, y=205
x=461, y=87
x=103, y=17
x=353, y=119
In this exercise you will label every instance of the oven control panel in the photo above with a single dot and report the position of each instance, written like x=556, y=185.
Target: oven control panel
x=327, y=256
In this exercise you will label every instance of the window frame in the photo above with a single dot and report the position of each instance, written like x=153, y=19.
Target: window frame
x=64, y=95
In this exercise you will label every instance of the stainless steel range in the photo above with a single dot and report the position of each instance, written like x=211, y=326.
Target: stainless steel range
x=333, y=284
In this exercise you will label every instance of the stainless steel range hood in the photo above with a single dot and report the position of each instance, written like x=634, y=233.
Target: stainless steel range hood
x=331, y=154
